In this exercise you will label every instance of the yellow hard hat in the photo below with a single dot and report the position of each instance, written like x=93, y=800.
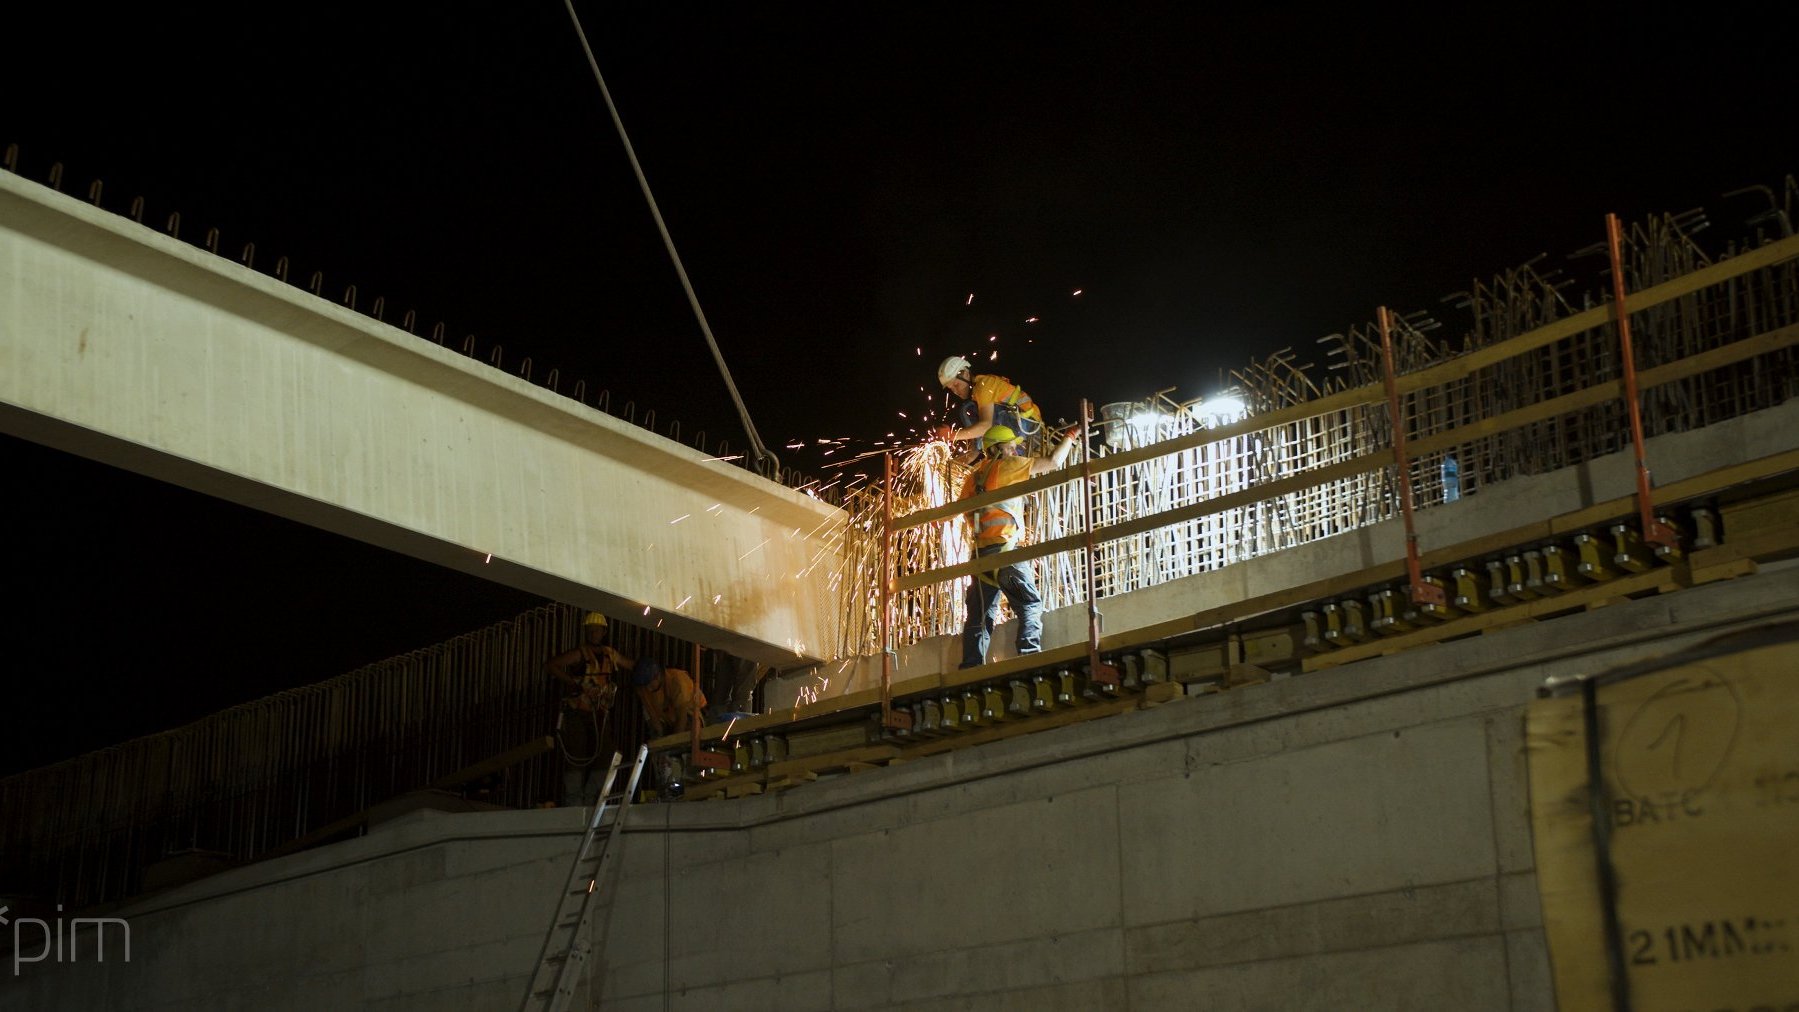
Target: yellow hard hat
x=594, y=618
x=998, y=435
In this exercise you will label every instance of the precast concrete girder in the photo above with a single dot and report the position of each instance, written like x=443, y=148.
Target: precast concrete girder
x=132, y=348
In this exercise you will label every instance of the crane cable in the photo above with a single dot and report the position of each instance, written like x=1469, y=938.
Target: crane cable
x=766, y=461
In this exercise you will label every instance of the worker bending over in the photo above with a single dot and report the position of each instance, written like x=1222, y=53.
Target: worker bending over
x=998, y=403
x=997, y=529
x=671, y=701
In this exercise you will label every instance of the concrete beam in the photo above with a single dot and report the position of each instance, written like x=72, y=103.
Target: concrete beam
x=131, y=348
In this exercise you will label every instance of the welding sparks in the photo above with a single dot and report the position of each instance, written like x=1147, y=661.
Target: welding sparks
x=680, y=518
x=994, y=357
x=683, y=603
x=646, y=610
x=1030, y=319
x=740, y=558
x=717, y=598
x=970, y=301
x=488, y=559
x=1076, y=293
x=727, y=735
x=735, y=456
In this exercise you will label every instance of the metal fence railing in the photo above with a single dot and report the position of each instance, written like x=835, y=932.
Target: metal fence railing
x=1534, y=384
x=263, y=777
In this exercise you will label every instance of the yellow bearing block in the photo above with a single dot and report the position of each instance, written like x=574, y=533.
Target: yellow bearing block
x=1705, y=528
x=1497, y=578
x=1595, y=558
x=1069, y=688
x=1628, y=550
x=993, y=703
x=1314, y=635
x=1558, y=569
x=1391, y=612
x=1470, y=594
x=1345, y=622
x=1517, y=579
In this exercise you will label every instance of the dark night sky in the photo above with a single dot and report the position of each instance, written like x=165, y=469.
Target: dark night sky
x=838, y=179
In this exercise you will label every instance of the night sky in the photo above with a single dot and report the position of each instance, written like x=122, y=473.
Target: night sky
x=838, y=178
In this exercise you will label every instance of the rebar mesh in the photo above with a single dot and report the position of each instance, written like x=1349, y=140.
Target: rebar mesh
x=1755, y=304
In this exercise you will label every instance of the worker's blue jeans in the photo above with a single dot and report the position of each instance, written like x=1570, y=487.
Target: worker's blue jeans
x=1019, y=585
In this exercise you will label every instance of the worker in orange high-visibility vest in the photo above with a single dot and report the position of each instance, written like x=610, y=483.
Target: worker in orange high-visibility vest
x=997, y=528
x=589, y=673
x=669, y=697
x=670, y=701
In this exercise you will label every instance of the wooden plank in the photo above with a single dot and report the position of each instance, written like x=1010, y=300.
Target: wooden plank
x=511, y=757
x=828, y=739
x=831, y=760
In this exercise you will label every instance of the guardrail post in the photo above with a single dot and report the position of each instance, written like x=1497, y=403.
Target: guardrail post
x=1654, y=531
x=1101, y=674
x=1421, y=592
x=890, y=718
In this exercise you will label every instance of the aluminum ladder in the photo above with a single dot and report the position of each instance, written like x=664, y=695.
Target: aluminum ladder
x=565, y=949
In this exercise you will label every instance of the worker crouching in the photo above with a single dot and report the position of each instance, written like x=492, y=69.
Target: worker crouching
x=671, y=702
x=997, y=528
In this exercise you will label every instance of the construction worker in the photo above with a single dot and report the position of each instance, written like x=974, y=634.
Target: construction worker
x=997, y=402
x=669, y=696
x=997, y=529
x=670, y=699
x=589, y=674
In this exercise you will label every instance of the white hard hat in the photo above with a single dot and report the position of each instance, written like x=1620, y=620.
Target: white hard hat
x=950, y=368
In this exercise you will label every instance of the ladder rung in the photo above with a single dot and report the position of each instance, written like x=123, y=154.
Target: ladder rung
x=587, y=861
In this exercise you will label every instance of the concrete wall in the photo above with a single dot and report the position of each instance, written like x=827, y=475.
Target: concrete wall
x=126, y=346
x=1344, y=840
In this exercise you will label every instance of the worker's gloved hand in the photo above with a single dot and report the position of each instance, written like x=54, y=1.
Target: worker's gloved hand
x=943, y=432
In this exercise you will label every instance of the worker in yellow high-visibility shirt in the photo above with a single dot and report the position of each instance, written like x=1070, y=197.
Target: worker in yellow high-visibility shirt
x=998, y=402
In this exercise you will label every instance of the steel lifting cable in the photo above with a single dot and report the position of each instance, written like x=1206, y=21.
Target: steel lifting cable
x=765, y=459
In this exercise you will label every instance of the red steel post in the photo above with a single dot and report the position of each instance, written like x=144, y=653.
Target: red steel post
x=1654, y=531
x=1421, y=592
